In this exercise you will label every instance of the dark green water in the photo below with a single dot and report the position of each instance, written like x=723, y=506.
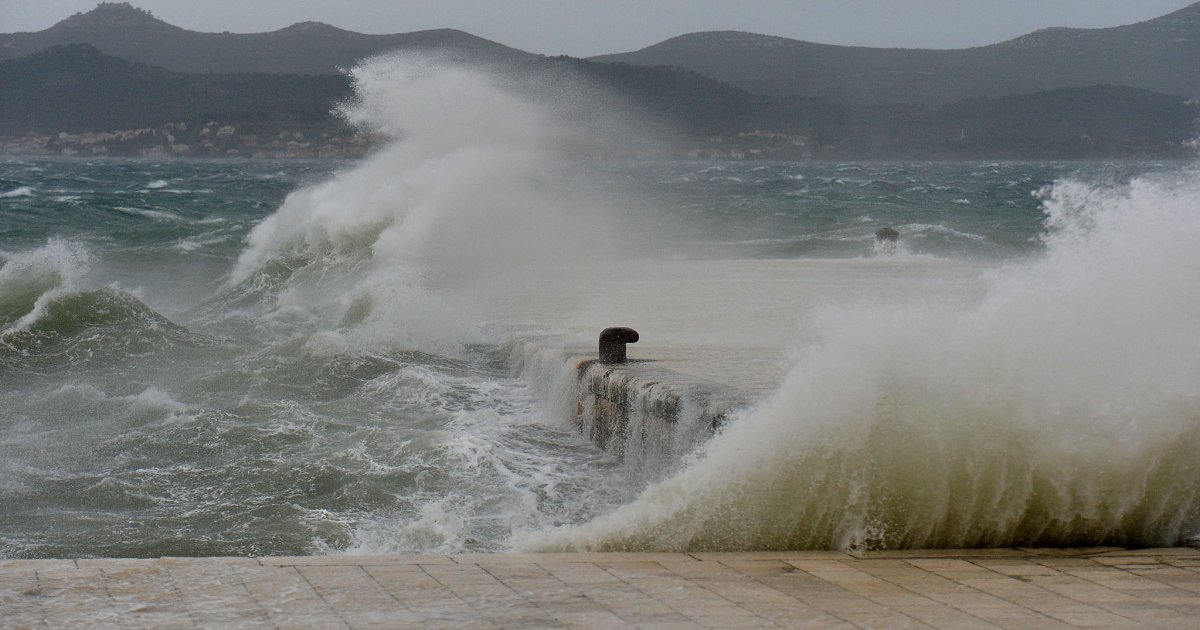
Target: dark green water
x=172, y=385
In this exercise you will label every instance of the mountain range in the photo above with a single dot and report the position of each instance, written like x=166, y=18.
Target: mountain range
x=1125, y=91
x=121, y=30
x=1162, y=55
x=76, y=88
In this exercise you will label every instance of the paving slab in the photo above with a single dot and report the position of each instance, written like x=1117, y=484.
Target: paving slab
x=920, y=589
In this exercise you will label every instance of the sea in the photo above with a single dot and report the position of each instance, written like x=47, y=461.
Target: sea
x=261, y=357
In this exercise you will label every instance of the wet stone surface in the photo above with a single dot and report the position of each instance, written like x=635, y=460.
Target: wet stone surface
x=992, y=588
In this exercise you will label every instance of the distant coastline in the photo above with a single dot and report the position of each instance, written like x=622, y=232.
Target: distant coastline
x=180, y=140
x=163, y=143
x=116, y=81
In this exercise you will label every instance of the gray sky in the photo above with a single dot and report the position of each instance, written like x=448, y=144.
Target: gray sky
x=591, y=27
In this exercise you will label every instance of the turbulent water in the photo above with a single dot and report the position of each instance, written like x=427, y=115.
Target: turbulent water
x=256, y=357
x=1063, y=409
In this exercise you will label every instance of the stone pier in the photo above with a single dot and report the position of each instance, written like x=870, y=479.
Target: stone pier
x=994, y=588
x=645, y=404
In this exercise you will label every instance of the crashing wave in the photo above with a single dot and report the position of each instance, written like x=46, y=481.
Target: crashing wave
x=1061, y=410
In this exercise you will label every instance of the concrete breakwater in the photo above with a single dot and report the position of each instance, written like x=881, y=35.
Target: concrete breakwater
x=645, y=407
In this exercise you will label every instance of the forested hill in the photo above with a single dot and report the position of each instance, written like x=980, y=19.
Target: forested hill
x=1162, y=55
x=72, y=89
x=123, y=31
x=77, y=88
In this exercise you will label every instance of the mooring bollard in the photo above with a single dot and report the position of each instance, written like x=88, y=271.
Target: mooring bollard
x=612, y=343
x=886, y=235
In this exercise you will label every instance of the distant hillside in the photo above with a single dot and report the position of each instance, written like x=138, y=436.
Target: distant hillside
x=671, y=101
x=1162, y=55
x=1090, y=121
x=1069, y=123
x=68, y=90
x=1087, y=122
x=123, y=31
x=77, y=88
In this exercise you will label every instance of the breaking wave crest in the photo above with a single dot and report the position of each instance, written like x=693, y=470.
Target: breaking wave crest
x=48, y=321
x=472, y=185
x=76, y=328
x=29, y=279
x=1062, y=409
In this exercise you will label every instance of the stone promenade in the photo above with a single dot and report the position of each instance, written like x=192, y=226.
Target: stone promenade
x=998, y=588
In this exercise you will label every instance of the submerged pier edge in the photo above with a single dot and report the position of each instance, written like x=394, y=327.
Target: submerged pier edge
x=641, y=405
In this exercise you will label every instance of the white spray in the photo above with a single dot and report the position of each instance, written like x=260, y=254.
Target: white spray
x=471, y=188
x=1062, y=409
x=31, y=280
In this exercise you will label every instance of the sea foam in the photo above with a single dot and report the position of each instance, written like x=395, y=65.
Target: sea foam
x=1062, y=409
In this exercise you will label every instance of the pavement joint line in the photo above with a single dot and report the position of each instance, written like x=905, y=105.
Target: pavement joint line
x=816, y=605
x=42, y=613
x=511, y=590
x=241, y=583
x=539, y=605
x=386, y=591
x=333, y=609
x=960, y=609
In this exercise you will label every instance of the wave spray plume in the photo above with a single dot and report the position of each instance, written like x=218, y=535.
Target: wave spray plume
x=1062, y=409
x=475, y=184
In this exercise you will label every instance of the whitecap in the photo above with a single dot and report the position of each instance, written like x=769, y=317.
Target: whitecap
x=23, y=191
x=158, y=215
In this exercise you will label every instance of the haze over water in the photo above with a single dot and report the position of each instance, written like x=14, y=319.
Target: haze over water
x=255, y=357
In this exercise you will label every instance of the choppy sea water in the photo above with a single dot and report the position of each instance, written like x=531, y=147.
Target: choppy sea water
x=256, y=357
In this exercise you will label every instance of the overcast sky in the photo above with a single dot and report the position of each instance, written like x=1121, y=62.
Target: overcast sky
x=591, y=27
